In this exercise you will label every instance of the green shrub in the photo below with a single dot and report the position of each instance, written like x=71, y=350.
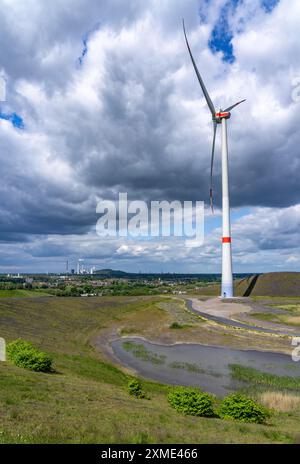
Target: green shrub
x=24, y=354
x=191, y=401
x=176, y=325
x=243, y=409
x=135, y=388
x=13, y=348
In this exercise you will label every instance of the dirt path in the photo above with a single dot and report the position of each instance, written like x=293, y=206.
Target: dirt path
x=219, y=307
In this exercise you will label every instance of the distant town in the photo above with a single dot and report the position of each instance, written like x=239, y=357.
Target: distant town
x=104, y=282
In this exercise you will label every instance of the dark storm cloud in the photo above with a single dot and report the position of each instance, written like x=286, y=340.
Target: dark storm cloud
x=31, y=31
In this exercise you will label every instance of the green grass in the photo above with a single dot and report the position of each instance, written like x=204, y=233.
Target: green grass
x=264, y=379
x=291, y=308
x=266, y=317
x=292, y=318
x=86, y=399
x=274, y=298
x=19, y=293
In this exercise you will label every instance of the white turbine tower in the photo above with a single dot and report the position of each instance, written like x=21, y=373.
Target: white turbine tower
x=220, y=117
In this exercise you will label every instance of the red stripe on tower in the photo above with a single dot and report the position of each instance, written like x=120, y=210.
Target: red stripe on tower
x=226, y=240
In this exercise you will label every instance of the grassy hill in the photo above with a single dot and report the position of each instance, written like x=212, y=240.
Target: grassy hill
x=86, y=399
x=268, y=284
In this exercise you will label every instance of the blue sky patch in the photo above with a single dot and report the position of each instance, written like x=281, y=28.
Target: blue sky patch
x=84, y=50
x=221, y=35
x=85, y=40
x=14, y=118
x=269, y=5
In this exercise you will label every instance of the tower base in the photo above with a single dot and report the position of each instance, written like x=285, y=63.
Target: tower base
x=227, y=290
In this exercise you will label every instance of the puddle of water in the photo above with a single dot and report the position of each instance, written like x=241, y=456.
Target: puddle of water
x=198, y=365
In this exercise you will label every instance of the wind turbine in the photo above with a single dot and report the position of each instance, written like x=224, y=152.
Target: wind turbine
x=220, y=117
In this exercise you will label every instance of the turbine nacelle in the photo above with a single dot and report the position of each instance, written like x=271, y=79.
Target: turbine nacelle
x=217, y=117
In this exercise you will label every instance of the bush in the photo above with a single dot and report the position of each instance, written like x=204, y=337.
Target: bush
x=176, y=325
x=243, y=409
x=135, y=388
x=191, y=401
x=24, y=354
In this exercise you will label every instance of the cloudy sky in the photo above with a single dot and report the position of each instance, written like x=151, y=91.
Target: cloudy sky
x=101, y=98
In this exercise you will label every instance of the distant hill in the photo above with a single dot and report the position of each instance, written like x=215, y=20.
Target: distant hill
x=268, y=284
x=110, y=273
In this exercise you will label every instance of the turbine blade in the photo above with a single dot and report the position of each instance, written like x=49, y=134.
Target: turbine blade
x=233, y=106
x=207, y=97
x=211, y=168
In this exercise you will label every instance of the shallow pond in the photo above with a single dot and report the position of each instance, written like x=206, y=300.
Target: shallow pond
x=198, y=365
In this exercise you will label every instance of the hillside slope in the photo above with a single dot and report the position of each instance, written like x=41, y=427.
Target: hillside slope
x=268, y=284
